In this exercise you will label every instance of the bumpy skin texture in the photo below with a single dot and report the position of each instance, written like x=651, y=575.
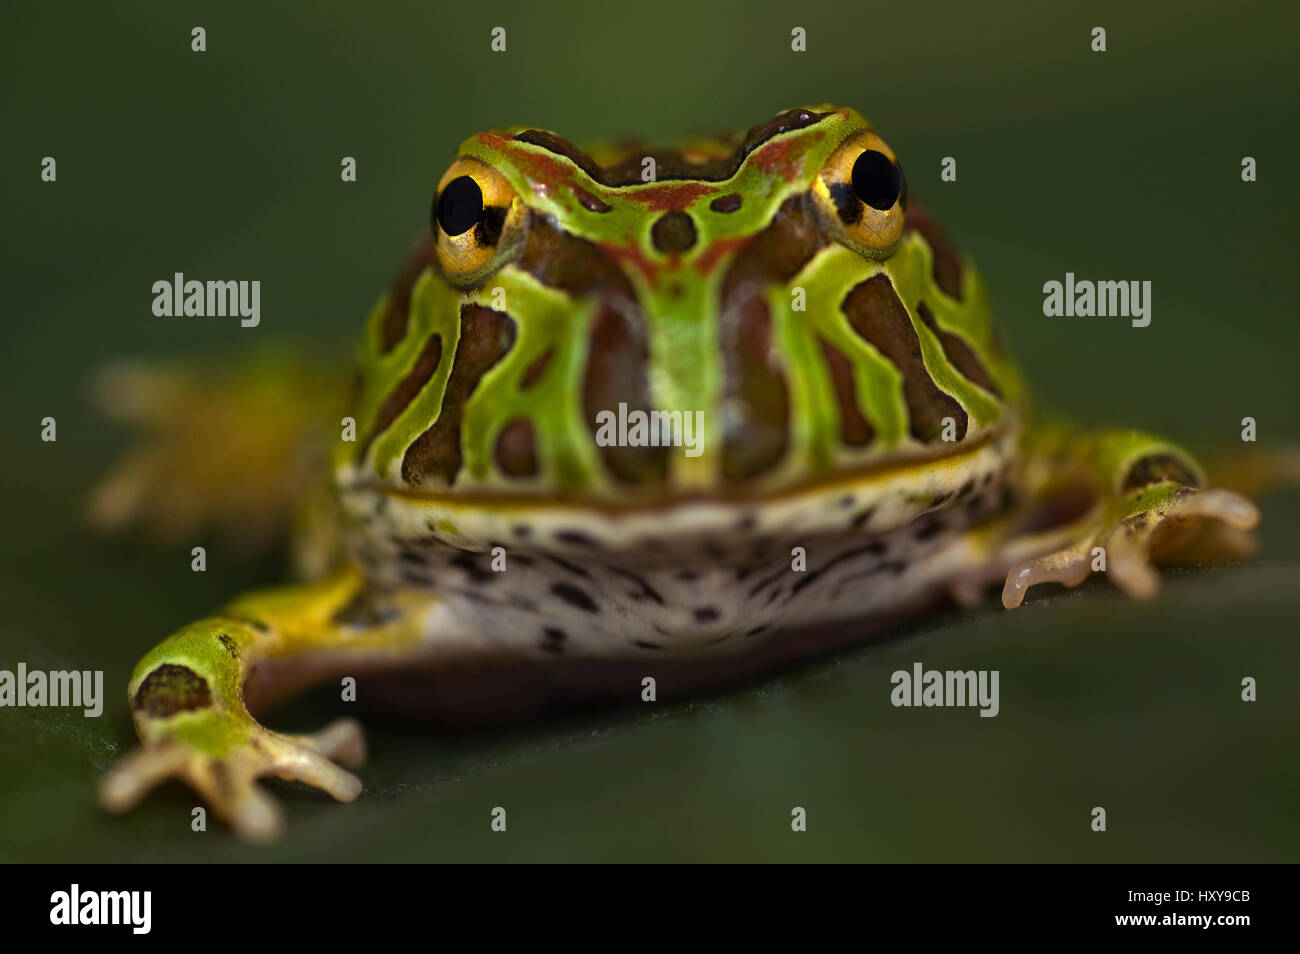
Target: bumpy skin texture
x=857, y=404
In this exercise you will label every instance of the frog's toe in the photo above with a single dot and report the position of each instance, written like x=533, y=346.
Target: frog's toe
x=227, y=779
x=342, y=741
x=1155, y=522
x=311, y=759
x=135, y=774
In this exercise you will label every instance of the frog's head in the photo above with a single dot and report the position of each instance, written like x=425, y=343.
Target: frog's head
x=773, y=297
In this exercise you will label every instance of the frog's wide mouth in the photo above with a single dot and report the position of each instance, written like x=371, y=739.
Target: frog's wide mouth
x=920, y=468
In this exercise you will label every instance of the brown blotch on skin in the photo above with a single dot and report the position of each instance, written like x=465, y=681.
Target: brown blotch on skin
x=393, y=328
x=727, y=203
x=863, y=518
x=670, y=165
x=485, y=338
x=617, y=371
x=575, y=596
x=855, y=430
x=959, y=353
x=673, y=233
x=170, y=689
x=876, y=313
x=756, y=397
x=404, y=393
x=516, y=449
x=229, y=643
x=571, y=264
x=1158, y=468
x=590, y=202
x=534, y=372
x=947, y=263
x=777, y=253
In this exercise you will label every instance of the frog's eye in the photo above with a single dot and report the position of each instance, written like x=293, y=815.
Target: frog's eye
x=861, y=195
x=476, y=220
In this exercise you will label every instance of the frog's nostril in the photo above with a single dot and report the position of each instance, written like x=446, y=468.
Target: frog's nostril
x=673, y=232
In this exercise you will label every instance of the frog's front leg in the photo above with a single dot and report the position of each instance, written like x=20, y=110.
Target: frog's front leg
x=1130, y=498
x=187, y=695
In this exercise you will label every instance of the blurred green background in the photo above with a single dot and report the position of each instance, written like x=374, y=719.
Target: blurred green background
x=1122, y=165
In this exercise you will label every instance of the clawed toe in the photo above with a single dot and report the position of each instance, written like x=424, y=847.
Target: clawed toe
x=1123, y=547
x=228, y=782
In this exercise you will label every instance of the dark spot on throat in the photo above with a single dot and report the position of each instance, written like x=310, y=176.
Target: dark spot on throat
x=575, y=596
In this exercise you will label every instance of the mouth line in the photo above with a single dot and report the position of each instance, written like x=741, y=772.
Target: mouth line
x=878, y=470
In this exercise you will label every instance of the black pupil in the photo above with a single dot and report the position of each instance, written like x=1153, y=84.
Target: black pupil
x=876, y=180
x=459, y=206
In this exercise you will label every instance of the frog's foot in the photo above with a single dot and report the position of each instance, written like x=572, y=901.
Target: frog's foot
x=213, y=457
x=1125, y=537
x=221, y=755
x=187, y=696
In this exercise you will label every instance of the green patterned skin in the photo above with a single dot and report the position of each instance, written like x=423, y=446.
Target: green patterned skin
x=681, y=303
x=866, y=451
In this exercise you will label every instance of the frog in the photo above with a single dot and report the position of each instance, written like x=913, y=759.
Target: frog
x=695, y=413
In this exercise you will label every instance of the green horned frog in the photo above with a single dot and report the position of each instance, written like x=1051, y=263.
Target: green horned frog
x=697, y=412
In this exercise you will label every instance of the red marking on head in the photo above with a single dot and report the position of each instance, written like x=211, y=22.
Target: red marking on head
x=544, y=171
x=780, y=157
x=717, y=251
x=672, y=198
